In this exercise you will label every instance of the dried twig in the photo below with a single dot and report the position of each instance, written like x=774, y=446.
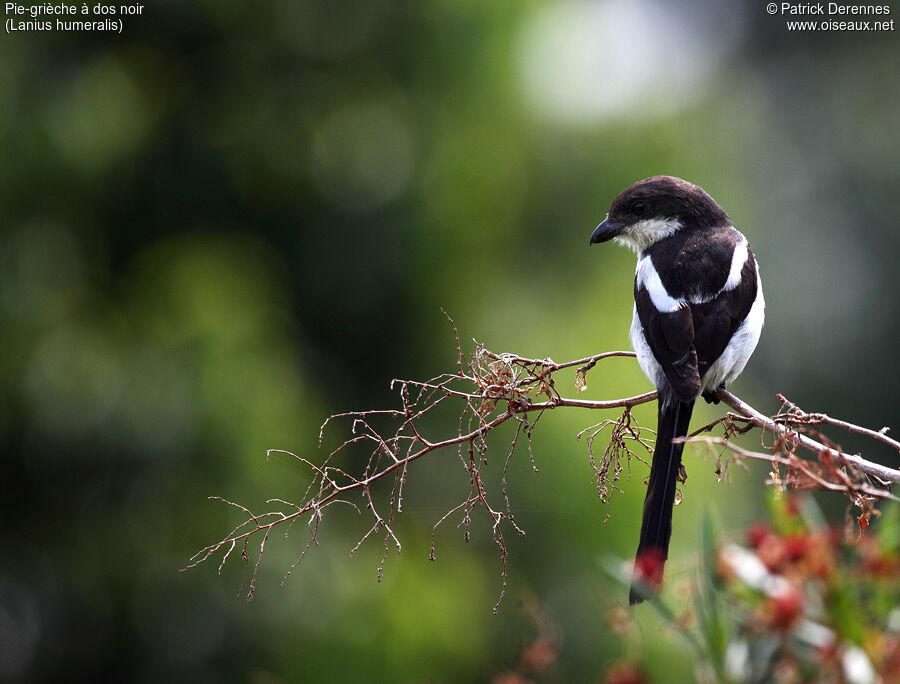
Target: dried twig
x=491, y=389
x=784, y=427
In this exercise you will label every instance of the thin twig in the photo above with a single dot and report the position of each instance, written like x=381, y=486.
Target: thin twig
x=491, y=389
x=765, y=423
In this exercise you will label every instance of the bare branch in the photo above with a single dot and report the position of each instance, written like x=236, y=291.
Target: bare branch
x=814, y=418
x=782, y=428
x=490, y=389
x=815, y=480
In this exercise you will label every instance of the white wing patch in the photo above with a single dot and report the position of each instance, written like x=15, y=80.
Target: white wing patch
x=648, y=278
x=738, y=259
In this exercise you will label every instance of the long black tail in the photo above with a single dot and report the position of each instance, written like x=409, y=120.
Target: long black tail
x=656, y=528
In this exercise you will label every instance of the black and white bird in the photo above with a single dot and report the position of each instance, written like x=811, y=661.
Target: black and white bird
x=698, y=314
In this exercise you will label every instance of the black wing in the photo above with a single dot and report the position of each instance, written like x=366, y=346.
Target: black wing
x=687, y=341
x=671, y=339
x=716, y=321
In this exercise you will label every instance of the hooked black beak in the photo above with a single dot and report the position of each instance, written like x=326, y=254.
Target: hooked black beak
x=605, y=231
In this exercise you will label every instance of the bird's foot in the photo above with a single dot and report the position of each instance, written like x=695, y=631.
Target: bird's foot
x=710, y=395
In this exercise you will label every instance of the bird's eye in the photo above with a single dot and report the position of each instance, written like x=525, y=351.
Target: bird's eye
x=638, y=208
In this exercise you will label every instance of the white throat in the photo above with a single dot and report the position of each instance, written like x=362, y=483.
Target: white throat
x=641, y=235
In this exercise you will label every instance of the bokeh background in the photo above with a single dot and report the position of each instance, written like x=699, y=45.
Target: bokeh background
x=232, y=220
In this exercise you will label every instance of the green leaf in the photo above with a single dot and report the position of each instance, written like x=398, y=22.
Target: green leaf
x=846, y=616
x=889, y=529
x=713, y=626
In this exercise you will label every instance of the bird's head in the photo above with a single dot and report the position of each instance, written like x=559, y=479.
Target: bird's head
x=655, y=208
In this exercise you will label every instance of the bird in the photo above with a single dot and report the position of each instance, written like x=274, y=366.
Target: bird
x=698, y=314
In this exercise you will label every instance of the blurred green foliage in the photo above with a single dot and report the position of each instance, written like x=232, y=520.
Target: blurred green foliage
x=232, y=220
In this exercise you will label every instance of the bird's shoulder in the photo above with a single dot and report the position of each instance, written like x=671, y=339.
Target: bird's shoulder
x=695, y=264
